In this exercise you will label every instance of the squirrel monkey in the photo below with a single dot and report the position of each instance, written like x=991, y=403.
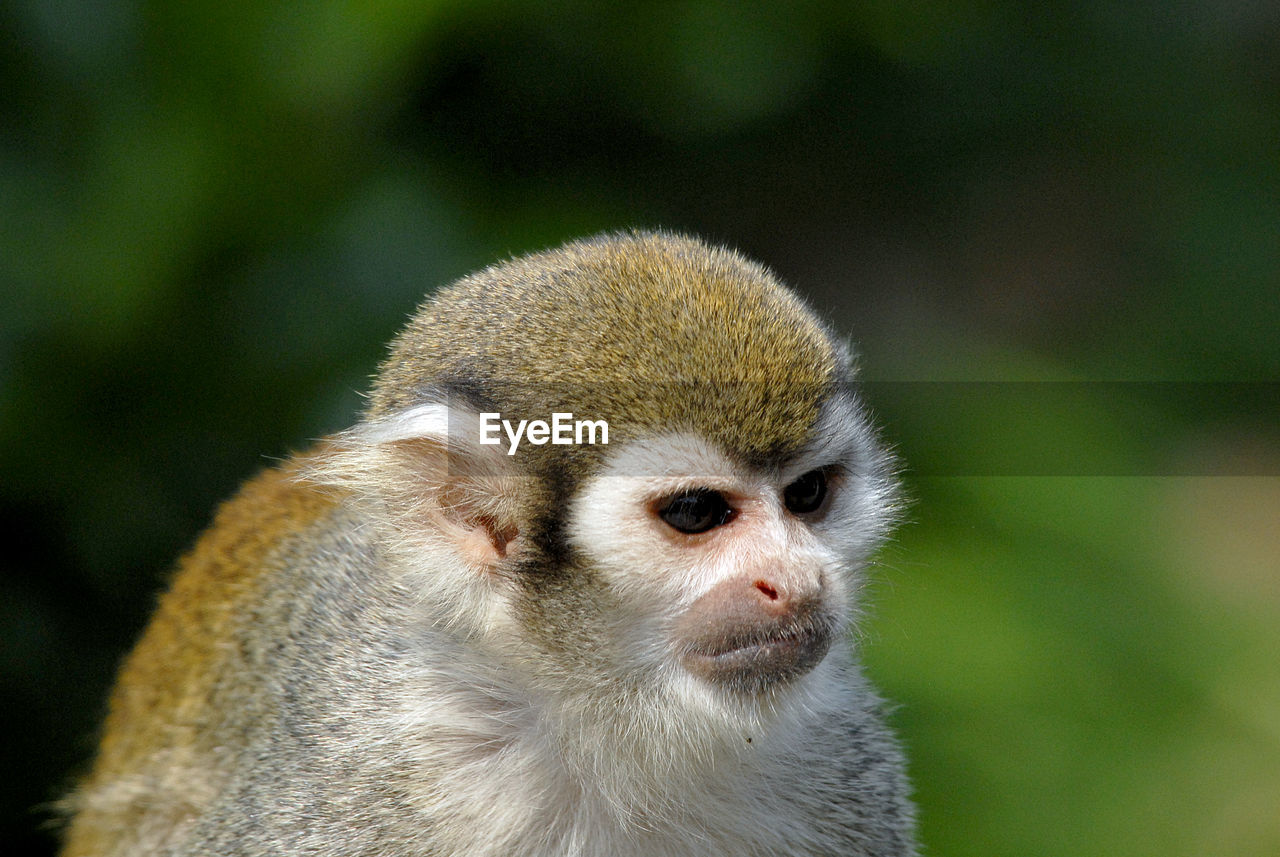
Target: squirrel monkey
x=424, y=638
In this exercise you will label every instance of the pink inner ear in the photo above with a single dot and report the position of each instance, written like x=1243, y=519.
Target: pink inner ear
x=499, y=536
x=482, y=542
x=465, y=494
x=483, y=537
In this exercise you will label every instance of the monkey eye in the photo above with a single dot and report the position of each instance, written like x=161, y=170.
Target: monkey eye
x=696, y=511
x=806, y=494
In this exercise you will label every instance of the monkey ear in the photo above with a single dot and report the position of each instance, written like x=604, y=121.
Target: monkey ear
x=431, y=480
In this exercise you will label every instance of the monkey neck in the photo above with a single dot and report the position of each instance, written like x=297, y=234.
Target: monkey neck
x=628, y=758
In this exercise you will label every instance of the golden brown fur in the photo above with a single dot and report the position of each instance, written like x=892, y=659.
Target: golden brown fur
x=640, y=320
x=166, y=714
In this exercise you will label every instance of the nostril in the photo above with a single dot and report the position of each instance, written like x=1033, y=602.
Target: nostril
x=769, y=591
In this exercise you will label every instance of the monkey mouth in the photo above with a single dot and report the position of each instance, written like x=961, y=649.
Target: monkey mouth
x=754, y=662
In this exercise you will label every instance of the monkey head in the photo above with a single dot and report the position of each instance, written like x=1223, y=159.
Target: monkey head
x=707, y=558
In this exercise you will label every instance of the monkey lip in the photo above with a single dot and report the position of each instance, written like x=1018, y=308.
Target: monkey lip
x=753, y=662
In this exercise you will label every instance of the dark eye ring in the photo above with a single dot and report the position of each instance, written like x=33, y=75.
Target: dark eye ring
x=807, y=494
x=696, y=511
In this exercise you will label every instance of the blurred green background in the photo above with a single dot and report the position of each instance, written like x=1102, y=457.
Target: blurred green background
x=214, y=215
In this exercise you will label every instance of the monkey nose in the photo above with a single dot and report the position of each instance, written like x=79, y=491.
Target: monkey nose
x=749, y=633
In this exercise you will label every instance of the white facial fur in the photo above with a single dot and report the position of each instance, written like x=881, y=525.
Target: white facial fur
x=658, y=572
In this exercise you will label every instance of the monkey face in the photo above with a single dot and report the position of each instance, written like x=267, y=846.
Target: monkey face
x=670, y=568
x=747, y=575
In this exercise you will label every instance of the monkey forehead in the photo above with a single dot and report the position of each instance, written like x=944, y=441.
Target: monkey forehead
x=645, y=330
